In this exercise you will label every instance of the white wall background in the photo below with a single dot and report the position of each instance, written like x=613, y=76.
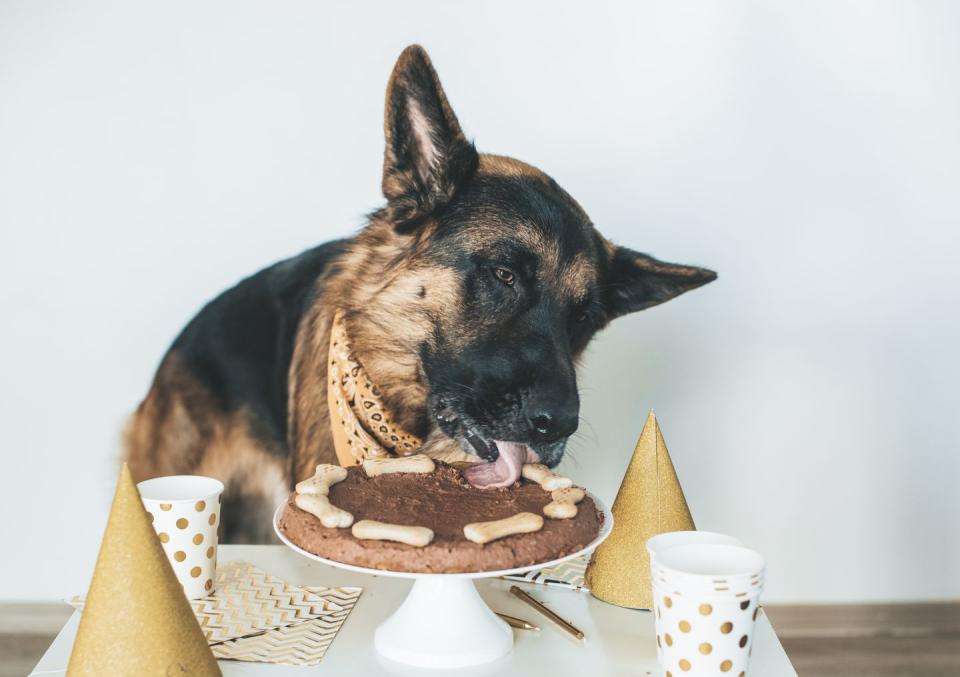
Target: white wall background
x=151, y=154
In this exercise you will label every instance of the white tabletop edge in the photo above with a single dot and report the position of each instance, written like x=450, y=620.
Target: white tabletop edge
x=618, y=641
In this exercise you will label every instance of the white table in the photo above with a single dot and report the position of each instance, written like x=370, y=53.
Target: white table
x=618, y=641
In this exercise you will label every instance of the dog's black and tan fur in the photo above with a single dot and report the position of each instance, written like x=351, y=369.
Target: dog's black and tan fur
x=468, y=298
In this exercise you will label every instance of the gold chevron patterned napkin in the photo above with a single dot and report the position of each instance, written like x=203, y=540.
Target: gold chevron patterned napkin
x=567, y=574
x=254, y=616
x=300, y=644
x=248, y=600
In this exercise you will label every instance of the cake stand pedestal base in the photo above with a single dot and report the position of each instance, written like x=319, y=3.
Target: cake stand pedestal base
x=443, y=623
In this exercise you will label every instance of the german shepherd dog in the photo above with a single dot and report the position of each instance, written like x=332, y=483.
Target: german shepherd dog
x=468, y=298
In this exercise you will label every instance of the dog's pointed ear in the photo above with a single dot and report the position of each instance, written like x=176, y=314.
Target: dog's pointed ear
x=427, y=157
x=635, y=281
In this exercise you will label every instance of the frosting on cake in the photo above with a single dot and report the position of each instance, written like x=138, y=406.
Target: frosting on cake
x=444, y=502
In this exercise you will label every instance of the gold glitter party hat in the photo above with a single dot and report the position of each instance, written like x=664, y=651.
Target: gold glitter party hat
x=136, y=619
x=649, y=502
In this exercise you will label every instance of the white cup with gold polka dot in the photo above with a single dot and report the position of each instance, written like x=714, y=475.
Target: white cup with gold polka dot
x=706, y=600
x=185, y=511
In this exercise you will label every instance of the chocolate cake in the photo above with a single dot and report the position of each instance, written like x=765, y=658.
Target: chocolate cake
x=445, y=502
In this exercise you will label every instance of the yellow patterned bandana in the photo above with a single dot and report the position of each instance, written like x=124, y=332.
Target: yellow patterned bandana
x=361, y=426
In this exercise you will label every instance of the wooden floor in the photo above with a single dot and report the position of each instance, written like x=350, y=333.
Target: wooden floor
x=26, y=631
x=883, y=640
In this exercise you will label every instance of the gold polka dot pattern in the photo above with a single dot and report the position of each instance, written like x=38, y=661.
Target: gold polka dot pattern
x=714, y=633
x=187, y=531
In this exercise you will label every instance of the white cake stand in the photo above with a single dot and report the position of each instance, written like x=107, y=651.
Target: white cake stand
x=443, y=622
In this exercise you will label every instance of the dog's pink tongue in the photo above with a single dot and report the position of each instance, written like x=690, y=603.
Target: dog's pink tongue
x=501, y=473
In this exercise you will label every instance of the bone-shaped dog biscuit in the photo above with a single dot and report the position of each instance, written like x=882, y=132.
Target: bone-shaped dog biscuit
x=564, y=503
x=320, y=507
x=541, y=474
x=383, y=466
x=325, y=477
x=381, y=531
x=521, y=523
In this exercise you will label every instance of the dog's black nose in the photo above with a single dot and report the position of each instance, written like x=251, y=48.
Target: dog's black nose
x=550, y=426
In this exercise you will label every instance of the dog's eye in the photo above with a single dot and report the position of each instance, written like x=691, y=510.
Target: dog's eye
x=504, y=275
x=582, y=316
